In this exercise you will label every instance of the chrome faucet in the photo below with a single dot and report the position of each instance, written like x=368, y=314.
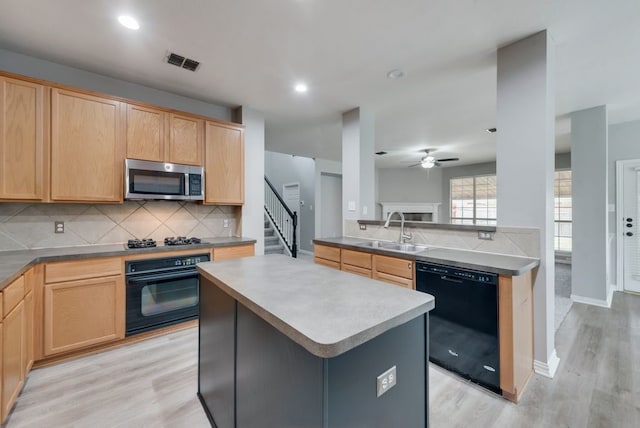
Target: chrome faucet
x=403, y=235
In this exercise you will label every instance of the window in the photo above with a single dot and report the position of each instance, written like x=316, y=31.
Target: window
x=562, y=211
x=473, y=200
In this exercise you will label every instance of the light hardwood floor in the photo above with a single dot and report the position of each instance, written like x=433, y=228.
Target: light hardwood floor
x=153, y=383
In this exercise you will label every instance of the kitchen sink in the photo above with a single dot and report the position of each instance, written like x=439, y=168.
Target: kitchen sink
x=393, y=246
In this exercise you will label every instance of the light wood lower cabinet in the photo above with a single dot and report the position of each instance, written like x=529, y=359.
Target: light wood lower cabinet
x=515, y=330
x=358, y=262
x=13, y=357
x=78, y=314
x=83, y=304
x=224, y=253
x=327, y=256
x=394, y=270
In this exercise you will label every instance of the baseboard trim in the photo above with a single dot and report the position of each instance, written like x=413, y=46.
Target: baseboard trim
x=547, y=369
x=306, y=252
x=606, y=303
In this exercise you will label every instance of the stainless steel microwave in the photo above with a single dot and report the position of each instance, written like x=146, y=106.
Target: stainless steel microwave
x=159, y=180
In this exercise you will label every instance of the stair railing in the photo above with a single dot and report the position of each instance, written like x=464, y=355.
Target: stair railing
x=285, y=221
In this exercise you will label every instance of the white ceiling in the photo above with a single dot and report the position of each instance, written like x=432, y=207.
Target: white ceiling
x=253, y=51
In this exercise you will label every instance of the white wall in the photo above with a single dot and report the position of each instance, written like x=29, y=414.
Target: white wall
x=282, y=168
x=253, y=208
x=408, y=185
x=58, y=73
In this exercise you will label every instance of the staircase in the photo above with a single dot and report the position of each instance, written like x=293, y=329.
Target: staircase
x=272, y=244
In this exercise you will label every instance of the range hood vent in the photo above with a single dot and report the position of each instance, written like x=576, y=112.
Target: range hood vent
x=182, y=62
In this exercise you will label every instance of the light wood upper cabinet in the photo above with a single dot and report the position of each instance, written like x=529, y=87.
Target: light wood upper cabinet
x=145, y=133
x=87, y=147
x=185, y=140
x=156, y=135
x=224, y=164
x=23, y=139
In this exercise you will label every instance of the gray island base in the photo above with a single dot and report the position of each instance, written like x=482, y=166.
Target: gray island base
x=284, y=343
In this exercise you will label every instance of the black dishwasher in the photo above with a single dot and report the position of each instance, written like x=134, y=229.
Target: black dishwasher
x=463, y=327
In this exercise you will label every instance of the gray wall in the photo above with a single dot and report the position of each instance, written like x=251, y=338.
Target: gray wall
x=280, y=169
x=624, y=143
x=408, y=185
x=589, y=200
x=57, y=73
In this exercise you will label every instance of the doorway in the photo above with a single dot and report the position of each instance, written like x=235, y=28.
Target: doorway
x=331, y=205
x=628, y=236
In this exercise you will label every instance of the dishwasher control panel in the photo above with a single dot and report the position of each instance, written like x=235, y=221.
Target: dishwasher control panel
x=451, y=272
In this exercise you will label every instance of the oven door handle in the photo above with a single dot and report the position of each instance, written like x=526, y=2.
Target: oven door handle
x=164, y=276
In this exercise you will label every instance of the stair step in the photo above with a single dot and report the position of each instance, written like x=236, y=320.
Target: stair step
x=271, y=240
x=273, y=249
x=269, y=232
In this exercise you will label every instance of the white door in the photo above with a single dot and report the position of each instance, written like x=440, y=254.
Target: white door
x=291, y=196
x=331, y=206
x=628, y=230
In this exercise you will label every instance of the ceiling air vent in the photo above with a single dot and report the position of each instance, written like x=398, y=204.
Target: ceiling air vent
x=180, y=61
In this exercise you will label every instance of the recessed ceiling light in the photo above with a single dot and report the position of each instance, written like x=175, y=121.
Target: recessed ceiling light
x=396, y=73
x=491, y=130
x=300, y=87
x=129, y=22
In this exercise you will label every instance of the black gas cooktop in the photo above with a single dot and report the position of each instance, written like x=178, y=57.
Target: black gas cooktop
x=171, y=241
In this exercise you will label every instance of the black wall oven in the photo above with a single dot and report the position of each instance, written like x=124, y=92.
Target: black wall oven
x=161, y=292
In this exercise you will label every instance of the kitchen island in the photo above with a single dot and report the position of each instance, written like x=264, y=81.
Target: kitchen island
x=284, y=343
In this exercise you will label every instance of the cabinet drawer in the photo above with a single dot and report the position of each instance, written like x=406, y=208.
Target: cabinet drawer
x=356, y=258
x=394, y=266
x=223, y=253
x=392, y=279
x=328, y=263
x=12, y=295
x=326, y=252
x=71, y=271
x=357, y=270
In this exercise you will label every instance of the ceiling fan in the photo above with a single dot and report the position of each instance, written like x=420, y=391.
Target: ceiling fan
x=429, y=161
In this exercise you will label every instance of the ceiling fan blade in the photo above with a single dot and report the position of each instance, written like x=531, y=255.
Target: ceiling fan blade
x=415, y=164
x=448, y=159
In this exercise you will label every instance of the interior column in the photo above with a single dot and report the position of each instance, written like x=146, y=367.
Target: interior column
x=525, y=168
x=589, y=258
x=358, y=170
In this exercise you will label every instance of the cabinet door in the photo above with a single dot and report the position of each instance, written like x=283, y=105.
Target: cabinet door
x=28, y=333
x=145, y=133
x=87, y=147
x=22, y=140
x=79, y=314
x=12, y=358
x=224, y=164
x=394, y=270
x=185, y=140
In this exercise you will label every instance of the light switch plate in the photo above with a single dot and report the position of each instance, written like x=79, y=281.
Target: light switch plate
x=386, y=381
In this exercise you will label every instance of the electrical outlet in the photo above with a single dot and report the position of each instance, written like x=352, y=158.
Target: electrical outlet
x=363, y=227
x=386, y=381
x=58, y=226
x=225, y=222
x=482, y=234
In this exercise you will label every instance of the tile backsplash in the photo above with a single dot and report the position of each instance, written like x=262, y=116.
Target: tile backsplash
x=28, y=226
x=513, y=241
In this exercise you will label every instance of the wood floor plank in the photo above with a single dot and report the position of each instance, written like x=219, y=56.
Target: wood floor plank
x=153, y=383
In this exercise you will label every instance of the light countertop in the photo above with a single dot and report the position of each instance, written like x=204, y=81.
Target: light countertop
x=466, y=259
x=326, y=311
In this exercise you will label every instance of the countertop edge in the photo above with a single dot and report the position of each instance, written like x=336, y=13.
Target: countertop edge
x=322, y=350
x=528, y=263
x=22, y=267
